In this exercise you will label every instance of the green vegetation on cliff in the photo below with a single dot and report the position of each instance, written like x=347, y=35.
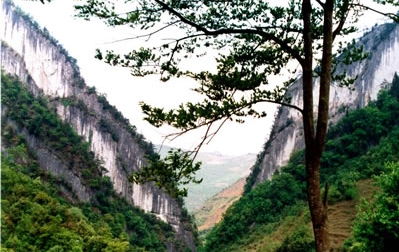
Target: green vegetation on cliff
x=35, y=217
x=40, y=212
x=358, y=147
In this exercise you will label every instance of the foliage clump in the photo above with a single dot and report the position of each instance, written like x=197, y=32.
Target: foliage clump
x=171, y=173
x=300, y=240
x=376, y=227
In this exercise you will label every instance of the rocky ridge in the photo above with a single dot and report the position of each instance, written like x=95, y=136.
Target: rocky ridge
x=37, y=59
x=382, y=43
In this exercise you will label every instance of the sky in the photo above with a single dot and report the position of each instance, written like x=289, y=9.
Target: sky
x=80, y=38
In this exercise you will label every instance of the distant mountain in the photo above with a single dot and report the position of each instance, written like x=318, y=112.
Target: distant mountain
x=218, y=172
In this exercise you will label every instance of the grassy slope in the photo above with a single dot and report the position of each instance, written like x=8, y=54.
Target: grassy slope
x=212, y=210
x=341, y=216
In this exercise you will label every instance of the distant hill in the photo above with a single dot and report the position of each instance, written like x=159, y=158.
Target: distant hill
x=211, y=212
x=218, y=172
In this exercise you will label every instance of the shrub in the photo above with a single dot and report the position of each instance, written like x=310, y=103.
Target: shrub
x=300, y=241
x=376, y=227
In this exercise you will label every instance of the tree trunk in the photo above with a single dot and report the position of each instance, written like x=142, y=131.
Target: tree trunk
x=318, y=207
x=315, y=136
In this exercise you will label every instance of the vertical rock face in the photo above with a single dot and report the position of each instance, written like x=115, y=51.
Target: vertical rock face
x=38, y=60
x=287, y=133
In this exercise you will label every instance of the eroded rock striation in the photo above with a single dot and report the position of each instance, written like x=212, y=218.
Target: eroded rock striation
x=37, y=59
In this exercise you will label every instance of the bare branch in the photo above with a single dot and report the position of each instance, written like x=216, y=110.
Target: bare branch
x=209, y=136
x=218, y=129
x=145, y=35
x=197, y=149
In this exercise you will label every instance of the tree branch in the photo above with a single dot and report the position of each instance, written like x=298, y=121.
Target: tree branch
x=265, y=35
x=196, y=150
x=387, y=14
x=145, y=35
x=209, y=136
x=321, y=3
x=342, y=20
x=325, y=199
x=283, y=104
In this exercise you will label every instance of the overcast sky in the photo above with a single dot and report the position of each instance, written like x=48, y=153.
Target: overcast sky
x=80, y=38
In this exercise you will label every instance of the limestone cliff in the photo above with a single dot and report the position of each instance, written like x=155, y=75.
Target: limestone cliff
x=382, y=43
x=38, y=59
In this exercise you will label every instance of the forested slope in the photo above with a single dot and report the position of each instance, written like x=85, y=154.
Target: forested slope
x=42, y=212
x=358, y=147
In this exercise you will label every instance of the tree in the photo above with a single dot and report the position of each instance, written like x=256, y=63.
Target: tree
x=170, y=173
x=395, y=86
x=261, y=40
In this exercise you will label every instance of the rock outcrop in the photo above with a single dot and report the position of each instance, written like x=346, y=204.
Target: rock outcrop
x=37, y=59
x=382, y=43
